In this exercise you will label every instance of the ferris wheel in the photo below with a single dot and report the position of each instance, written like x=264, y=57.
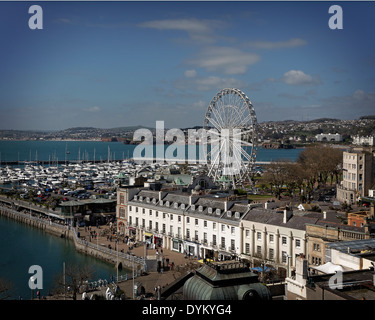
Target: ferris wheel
x=231, y=126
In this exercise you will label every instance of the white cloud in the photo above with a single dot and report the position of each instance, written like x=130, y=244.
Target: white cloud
x=291, y=43
x=198, y=30
x=190, y=73
x=298, y=77
x=208, y=83
x=226, y=60
x=93, y=109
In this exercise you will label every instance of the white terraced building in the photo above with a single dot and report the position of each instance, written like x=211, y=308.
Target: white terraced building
x=196, y=226
x=209, y=227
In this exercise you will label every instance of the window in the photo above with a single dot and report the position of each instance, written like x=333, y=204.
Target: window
x=271, y=254
x=122, y=199
x=283, y=256
x=196, y=235
x=222, y=227
x=164, y=229
x=136, y=222
x=214, y=225
x=150, y=212
x=156, y=214
x=143, y=210
x=196, y=222
x=214, y=239
x=122, y=213
x=232, y=230
x=222, y=242
x=188, y=233
x=259, y=250
x=163, y=215
x=179, y=218
x=205, y=223
x=130, y=220
x=130, y=208
x=205, y=237
x=143, y=223
x=232, y=244
x=171, y=216
x=283, y=240
x=247, y=248
x=187, y=219
x=247, y=232
x=136, y=209
x=259, y=236
x=271, y=238
x=298, y=243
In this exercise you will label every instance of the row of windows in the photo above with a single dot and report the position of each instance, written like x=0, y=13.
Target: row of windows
x=272, y=237
x=271, y=252
x=189, y=220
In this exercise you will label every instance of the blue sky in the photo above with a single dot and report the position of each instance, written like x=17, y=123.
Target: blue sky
x=114, y=64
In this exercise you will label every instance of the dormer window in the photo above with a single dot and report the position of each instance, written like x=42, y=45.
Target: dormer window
x=193, y=207
x=237, y=215
x=147, y=199
x=154, y=201
x=161, y=202
x=140, y=198
x=135, y=197
x=167, y=204
x=229, y=214
x=209, y=210
x=182, y=206
x=218, y=211
x=175, y=205
x=200, y=208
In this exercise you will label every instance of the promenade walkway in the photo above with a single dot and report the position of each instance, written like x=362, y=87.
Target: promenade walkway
x=106, y=237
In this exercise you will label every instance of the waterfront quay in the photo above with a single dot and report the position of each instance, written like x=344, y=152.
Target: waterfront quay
x=102, y=242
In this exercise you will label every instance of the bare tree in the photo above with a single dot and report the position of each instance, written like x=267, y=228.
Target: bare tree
x=5, y=289
x=74, y=278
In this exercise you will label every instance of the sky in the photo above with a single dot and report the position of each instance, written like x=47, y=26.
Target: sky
x=115, y=64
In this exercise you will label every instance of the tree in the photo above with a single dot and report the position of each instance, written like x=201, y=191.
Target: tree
x=5, y=289
x=74, y=278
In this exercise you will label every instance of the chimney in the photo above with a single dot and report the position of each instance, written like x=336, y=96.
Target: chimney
x=287, y=215
x=301, y=269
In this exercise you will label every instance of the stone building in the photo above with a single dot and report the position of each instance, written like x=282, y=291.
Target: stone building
x=358, y=174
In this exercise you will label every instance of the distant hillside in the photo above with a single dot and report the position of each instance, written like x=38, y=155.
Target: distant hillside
x=367, y=117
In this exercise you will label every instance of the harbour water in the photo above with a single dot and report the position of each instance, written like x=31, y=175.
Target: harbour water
x=53, y=151
x=22, y=246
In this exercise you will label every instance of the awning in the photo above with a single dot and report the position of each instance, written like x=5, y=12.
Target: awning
x=148, y=234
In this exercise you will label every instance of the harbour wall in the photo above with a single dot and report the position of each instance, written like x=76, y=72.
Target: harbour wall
x=127, y=261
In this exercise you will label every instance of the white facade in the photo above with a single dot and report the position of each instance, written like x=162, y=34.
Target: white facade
x=329, y=137
x=274, y=238
x=196, y=226
x=368, y=141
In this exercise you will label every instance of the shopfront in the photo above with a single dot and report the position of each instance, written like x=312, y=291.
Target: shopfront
x=149, y=238
x=158, y=241
x=177, y=245
x=191, y=249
